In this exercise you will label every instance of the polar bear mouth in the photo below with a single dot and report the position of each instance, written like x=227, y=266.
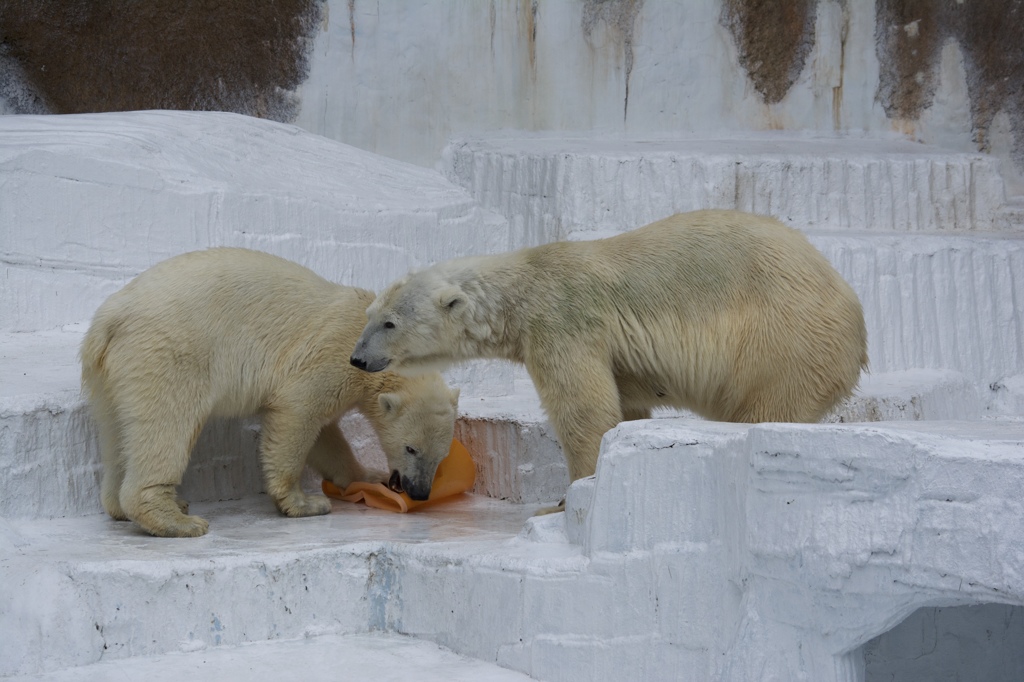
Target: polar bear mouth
x=395, y=482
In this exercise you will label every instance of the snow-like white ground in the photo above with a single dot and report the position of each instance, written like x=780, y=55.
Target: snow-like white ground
x=699, y=551
x=92, y=200
x=378, y=657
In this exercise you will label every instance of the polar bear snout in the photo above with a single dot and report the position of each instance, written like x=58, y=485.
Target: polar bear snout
x=416, y=490
x=403, y=484
x=365, y=359
x=377, y=365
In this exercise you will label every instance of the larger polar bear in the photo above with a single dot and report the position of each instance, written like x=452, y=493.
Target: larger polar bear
x=232, y=332
x=732, y=315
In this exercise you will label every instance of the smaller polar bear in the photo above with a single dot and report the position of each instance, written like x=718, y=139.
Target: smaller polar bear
x=231, y=332
x=732, y=315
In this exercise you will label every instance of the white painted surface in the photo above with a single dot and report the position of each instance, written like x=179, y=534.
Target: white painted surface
x=908, y=226
x=89, y=201
x=401, y=79
x=326, y=658
x=106, y=590
x=714, y=551
x=577, y=186
x=718, y=552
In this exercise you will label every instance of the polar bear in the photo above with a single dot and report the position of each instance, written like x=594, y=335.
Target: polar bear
x=732, y=315
x=233, y=332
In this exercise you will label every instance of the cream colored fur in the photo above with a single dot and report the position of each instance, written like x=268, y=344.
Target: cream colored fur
x=231, y=332
x=732, y=315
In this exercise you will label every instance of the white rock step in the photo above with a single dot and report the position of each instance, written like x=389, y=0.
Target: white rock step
x=559, y=187
x=50, y=465
x=943, y=301
x=106, y=590
x=378, y=657
x=88, y=201
x=735, y=553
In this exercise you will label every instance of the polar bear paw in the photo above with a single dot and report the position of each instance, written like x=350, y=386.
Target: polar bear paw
x=299, y=505
x=159, y=511
x=174, y=526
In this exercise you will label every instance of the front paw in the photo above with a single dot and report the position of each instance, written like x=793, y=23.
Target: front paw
x=297, y=506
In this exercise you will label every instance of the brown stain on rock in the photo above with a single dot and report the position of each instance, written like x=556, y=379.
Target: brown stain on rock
x=121, y=55
x=528, y=21
x=908, y=40
x=910, y=35
x=773, y=39
x=619, y=18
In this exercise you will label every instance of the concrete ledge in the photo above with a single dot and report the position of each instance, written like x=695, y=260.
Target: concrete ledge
x=106, y=590
x=517, y=454
x=324, y=658
x=553, y=186
x=89, y=201
x=732, y=552
x=52, y=467
x=912, y=395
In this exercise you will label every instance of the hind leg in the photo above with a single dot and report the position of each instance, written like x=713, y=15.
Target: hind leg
x=157, y=450
x=111, y=455
x=287, y=437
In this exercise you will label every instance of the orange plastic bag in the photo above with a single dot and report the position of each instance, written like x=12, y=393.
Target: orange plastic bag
x=455, y=474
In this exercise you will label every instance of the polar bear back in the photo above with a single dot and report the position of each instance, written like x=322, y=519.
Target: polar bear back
x=244, y=320
x=701, y=310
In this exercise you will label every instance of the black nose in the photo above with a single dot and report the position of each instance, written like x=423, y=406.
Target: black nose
x=356, y=362
x=415, y=492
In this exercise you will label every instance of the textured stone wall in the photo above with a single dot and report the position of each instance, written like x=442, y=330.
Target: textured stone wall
x=911, y=35
x=400, y=78
x=78, y=56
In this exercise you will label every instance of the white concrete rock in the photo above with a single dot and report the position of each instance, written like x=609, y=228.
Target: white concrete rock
x=946, y=301
x=324, y=658
x=704, y=551
x=107, y=591
x=89, y=201
x=565, y=187
x=401, y=79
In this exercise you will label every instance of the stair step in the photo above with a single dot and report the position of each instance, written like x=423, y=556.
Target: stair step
x=861, y=523
x=559, y=187
x=51, y=463
x=327, y=658
x=105, y=589
x=911, y=395
x=88, y=201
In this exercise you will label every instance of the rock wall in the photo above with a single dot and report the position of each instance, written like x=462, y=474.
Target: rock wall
x=402, y=78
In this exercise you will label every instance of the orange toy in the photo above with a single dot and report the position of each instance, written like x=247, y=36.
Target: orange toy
x=455, y=474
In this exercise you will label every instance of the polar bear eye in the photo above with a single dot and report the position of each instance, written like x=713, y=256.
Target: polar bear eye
x=389, y=325
x=410, y=450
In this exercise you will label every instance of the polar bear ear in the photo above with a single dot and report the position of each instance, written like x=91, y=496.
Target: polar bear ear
x=389, y=402
x=451, y=298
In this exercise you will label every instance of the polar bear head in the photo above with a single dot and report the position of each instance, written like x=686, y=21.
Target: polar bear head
x=423, y=322
x=415, y=422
